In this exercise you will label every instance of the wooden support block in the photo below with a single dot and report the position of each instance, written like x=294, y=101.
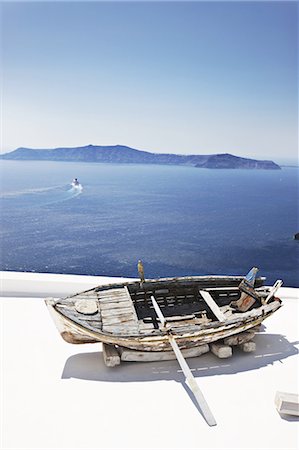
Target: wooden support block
x=111, y=355
x=248, y=347
x=134, y=355
x=240, y=338
x=222, y=351
x=287, y=403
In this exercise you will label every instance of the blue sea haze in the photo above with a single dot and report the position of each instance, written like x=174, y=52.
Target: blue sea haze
x=177, y=220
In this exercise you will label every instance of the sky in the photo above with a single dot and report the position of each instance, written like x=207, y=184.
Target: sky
x=177, y=77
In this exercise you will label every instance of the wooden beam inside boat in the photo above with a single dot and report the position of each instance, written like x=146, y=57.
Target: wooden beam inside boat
x=213, y=305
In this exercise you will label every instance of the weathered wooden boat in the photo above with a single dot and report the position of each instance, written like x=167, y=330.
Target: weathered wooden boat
x=155, y=317
x=197, y=310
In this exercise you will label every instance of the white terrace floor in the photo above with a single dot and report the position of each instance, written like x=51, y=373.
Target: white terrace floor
x=56, y=395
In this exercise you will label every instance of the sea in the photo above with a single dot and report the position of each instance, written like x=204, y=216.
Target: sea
x=178, y=220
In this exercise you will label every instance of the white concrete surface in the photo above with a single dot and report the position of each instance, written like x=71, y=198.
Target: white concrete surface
x=30, y=284
x=56, y=395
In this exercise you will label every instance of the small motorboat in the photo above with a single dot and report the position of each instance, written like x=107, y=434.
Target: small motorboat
x=75, y=183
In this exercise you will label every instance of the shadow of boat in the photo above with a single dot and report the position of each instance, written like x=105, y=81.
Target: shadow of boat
x=270, y=349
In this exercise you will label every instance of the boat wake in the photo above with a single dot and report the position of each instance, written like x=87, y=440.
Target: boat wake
x=77, y=188
x=31, y=191
x=45, y=195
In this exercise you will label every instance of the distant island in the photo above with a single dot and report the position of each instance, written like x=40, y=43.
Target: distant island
x=121, y=154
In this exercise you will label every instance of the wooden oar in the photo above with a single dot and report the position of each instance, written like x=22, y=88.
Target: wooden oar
x=186, y=370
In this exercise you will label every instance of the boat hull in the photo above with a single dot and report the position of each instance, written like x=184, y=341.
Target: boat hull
x=76, y=334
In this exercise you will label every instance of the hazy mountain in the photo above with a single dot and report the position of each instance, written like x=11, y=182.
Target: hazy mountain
x=121, y=154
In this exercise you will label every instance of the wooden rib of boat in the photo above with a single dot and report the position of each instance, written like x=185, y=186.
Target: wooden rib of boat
x=197, y=310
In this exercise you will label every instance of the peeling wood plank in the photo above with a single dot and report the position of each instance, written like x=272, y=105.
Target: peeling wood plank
x=115, y=305
x=134, y=355
x=77, y=317
x=179, y=318
x=118, y=330
x=118, y=312
x=112, y=299
x=119, y=319
x=113, y=292
x=115, y=312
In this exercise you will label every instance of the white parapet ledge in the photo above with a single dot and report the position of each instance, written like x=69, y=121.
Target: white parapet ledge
x=29, y=284
x=32, y=284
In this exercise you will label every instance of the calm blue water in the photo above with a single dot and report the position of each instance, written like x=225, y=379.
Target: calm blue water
x=178, y=220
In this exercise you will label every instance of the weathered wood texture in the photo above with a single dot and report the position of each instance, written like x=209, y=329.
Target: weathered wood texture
x=86, y=306
x=181, y=296
x=212, y=305
x=77, y=297
x=245, y=302
x=189, y=318
x=93, y=321
x=238, y=339
x=134, y=355
x=186, y=370
x=273, y=290
x=111, y=355
x=222, y=351
x=118, y=312
x=191, y=381
x=248, y=347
